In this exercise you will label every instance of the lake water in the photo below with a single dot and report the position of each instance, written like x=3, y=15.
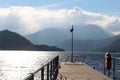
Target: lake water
x=15, y=65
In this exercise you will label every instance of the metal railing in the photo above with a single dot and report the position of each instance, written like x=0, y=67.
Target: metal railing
x=49, y=71
x=75, y=59
x=115, y=70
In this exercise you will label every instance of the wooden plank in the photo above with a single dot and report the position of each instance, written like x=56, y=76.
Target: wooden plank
x=79, y=71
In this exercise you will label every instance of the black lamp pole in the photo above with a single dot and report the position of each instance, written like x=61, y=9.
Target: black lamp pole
x=71, y=30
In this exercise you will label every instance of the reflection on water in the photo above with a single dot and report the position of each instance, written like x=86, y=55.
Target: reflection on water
x=14, y=65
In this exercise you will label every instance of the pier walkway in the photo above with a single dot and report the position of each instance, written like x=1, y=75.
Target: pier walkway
x=79, y=71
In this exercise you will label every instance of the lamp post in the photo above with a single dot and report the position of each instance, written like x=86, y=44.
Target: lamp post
x=71, y=30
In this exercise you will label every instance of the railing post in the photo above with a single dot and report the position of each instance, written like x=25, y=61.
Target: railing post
x=104, y=68
x=54, y=68
x=42, y=73
x=48, y=71
x=51, y=70
x=32, y=78
x=113, y=68
x=108, y=73
x=53, y=65
x=57, y=66
x=56, y=61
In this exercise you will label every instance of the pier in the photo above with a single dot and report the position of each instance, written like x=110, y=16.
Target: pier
x=57, y=70
x=80, y=71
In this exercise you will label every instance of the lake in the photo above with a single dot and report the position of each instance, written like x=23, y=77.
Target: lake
x=15, y=65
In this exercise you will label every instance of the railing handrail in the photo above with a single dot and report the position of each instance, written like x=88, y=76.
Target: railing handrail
x=116, y=57
x=43, y=66
x=30, y=76
x=75, y=59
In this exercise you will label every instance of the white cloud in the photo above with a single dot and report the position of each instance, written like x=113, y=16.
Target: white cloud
x=19, y=19
x=26, y=20
x=114, y=26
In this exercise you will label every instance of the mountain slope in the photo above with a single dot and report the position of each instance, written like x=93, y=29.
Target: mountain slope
x=90, y=32
x=113, y=47
x=53, y=36
x=87, y=44
x=50, y=36
x=10, y=40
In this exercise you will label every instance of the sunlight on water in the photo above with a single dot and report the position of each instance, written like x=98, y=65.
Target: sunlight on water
x=14, y=65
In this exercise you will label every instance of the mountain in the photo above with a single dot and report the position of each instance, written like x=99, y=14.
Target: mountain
x=13, y=41
x=113, y=47
x=53, y=36
x=49, y=36
x=90, y=32
x=87, y=44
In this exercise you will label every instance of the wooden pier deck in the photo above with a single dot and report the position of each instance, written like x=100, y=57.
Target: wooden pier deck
x=79, y=71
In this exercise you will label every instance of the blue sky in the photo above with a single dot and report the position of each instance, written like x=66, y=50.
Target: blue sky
x=109, y=7
x=29, y=16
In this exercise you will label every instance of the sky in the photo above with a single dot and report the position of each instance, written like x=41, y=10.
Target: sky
x=29, y=16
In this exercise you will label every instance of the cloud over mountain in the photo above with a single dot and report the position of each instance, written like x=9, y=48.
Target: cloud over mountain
x=26, y=20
